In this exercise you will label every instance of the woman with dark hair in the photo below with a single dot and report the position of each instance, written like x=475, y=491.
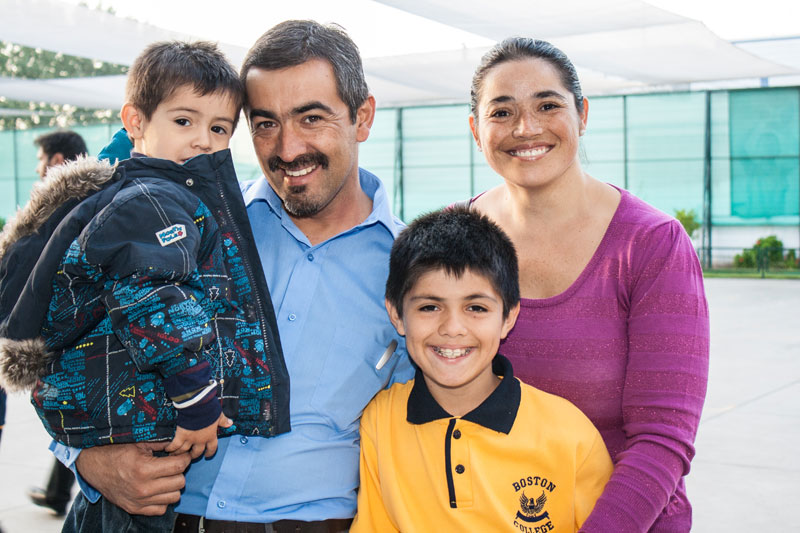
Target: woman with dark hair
x=614, y=316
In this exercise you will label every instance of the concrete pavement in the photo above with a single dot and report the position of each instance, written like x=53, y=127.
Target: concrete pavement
x=745, y=477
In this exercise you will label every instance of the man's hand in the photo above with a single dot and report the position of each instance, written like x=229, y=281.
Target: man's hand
x=129, y=476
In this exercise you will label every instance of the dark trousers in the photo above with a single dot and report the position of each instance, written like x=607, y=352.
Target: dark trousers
x=104, y=516
x=59, y=486
x=194, y=524
x=2, y=410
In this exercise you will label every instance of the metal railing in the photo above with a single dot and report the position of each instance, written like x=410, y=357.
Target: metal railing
x=756, y=261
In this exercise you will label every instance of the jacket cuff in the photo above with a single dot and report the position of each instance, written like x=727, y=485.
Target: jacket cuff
x=201, y=414
x=183, y=385
x=194, y=395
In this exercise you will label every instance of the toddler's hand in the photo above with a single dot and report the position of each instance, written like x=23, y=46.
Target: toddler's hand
x=195, y=442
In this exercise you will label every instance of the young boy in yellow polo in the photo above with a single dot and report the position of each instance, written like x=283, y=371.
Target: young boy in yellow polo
x=465, y=446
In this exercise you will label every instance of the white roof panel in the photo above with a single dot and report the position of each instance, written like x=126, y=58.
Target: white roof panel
x=416, y=51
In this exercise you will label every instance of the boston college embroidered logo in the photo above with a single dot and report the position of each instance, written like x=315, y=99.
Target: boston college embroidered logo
x=532, y=511
x=532, y=517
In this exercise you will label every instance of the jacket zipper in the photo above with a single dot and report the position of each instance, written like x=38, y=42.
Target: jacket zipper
x=262, y=320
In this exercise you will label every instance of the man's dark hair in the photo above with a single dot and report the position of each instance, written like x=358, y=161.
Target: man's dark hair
x=64, y=142
x=164, y=67
x=454, y=239
x=294, y=42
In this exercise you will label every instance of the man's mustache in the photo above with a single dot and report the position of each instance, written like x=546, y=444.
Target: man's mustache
x=303, y=161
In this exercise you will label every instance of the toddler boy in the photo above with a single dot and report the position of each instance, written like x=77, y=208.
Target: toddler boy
x=465, y=446
x=147, y=308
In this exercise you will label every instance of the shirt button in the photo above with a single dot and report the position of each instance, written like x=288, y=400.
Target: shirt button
x=189, y=182
x=457, y=434
x=221, y=504
x=243, y=439
x=310, y=257
x=292, y=317
x=460, y=469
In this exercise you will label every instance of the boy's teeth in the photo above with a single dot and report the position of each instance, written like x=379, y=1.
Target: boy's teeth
x=298, y=173
x=530, y=153
x=452, y=354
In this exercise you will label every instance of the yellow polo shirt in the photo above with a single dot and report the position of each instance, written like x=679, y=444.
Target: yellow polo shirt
x=524, y=460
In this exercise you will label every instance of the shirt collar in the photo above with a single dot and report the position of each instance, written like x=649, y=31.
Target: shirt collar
x=497, y=412
x=370, y=184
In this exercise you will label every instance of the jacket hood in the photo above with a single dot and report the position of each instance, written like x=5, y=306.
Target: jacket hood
x=23, y=361
x=74, y=179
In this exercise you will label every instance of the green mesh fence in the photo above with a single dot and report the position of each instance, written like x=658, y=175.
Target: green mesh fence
x=435, y=158
x=18, y=160
x=764, y=144
x=652, y=144
x=604, y=142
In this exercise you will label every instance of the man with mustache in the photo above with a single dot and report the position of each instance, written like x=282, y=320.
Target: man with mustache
x=324, y=231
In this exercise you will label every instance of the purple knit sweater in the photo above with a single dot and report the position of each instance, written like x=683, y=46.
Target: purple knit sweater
x=627, y=343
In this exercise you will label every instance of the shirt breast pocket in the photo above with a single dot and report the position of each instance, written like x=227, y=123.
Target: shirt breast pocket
x=350, y=376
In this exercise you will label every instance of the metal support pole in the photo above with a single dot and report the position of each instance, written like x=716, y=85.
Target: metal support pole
x=16, y=168
x=625, y=142
x=706, y=244
x=399, y=189
x=471, y=166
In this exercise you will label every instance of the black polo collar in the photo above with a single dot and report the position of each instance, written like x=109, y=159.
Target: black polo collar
x=497, y=412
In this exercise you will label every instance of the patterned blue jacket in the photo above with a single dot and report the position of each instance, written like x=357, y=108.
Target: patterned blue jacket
x=112, y=278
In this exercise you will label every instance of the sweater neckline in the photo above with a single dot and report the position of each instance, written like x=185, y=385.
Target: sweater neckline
x=591, y=265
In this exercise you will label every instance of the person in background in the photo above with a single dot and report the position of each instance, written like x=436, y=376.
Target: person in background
x=3, y=421
x=58, y=147
x=613, y=313
x=2, y=411
x=55, y=148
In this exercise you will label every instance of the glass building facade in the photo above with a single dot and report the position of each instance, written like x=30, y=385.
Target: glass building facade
x=736, y=152
x=731, y=156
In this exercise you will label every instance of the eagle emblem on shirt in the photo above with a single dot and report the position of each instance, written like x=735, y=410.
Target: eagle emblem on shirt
x=529, y=506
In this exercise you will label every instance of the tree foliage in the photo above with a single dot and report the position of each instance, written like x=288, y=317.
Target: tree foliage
x=17, y=61
x=688, y=220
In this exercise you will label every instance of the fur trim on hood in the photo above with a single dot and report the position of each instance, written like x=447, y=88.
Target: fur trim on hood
x=74, y=179
x=22, y=363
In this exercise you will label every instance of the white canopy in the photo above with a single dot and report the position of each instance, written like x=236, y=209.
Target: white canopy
x=617, y=45
x=626, y=38
x=102, y=92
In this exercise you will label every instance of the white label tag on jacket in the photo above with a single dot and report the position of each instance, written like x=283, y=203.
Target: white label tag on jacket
x=387, y=354
x=171, y=234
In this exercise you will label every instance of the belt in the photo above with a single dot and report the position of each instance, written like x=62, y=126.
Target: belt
x=187, y=523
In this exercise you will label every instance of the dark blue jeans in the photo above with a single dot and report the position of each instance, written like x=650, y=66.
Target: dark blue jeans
x=59, y=485
x=104, y=516
x=2, y=410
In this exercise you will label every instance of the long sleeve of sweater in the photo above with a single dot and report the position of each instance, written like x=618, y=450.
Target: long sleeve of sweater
x=664, y=387
x=627, y=343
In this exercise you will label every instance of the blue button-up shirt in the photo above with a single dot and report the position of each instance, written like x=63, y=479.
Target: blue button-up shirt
x=334, y=330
